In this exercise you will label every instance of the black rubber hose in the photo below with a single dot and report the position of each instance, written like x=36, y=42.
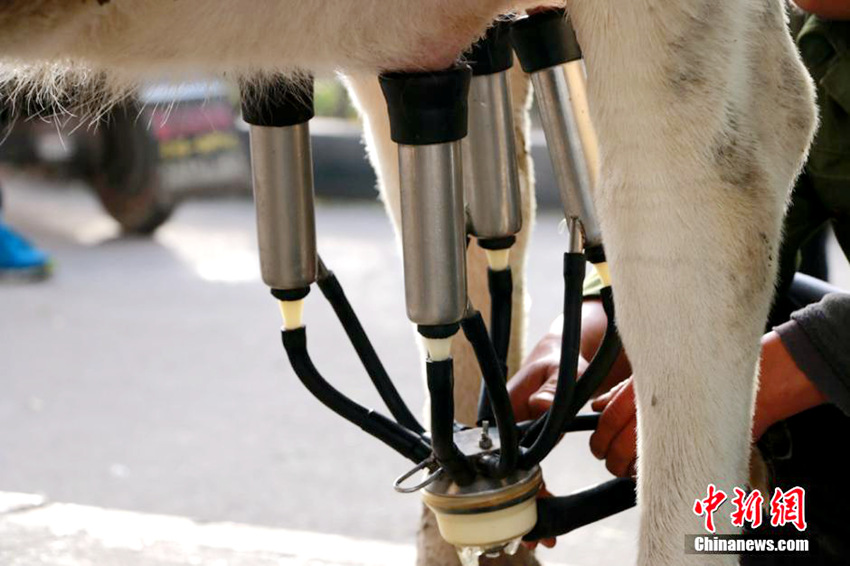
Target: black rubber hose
x=530, y=430
x=501, y=286
x=599, y=367
x=440, y=376
x=603, y=360
x=533, y=432
x=500, y=403
x=559, y=515
x=332, y=290
x=586, y=422
x=558, y=414
x=580, y=423
x=404, y=441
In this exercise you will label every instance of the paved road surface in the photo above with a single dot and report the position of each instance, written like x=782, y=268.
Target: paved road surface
x=34, y=531
x=147, y=375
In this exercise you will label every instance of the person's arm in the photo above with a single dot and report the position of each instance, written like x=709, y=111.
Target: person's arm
x=784, y=388
x=818, y=339
x=804, y=363
x=784, y=391
x=829, y=9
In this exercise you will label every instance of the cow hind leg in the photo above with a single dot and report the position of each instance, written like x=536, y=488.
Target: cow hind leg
x=704, y=114
x=432, y=550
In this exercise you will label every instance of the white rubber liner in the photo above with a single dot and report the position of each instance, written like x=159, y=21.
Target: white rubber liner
x=488, y=529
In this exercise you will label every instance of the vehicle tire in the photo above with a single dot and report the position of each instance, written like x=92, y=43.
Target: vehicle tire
x=125, y=173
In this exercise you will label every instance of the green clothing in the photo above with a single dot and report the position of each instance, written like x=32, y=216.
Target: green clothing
x=800, y=451
x=822, y=193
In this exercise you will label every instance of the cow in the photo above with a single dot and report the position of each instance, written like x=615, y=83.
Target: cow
x=704, y=114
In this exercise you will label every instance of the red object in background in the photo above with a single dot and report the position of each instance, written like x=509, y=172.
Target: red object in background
x=191, y=120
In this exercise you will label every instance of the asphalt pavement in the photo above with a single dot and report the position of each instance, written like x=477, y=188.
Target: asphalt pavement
x=147, y=375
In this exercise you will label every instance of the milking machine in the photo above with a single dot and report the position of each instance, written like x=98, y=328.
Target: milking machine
x=459, y=183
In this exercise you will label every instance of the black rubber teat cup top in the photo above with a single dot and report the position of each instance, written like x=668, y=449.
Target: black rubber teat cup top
x=427, y=107
x=493, y=53
x=279, y=102
x=544, y=40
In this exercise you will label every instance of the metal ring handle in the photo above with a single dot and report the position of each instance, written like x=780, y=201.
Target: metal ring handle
x=430, y=478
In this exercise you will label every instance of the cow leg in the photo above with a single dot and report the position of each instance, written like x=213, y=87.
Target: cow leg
x=432, y=550
x=704, y=114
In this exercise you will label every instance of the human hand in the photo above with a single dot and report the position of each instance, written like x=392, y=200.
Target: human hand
x=532, y=388
x=615, y=437
x=829, y=9
x=784, y=391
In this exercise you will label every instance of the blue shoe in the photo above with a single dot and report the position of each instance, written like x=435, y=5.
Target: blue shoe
x=20, y=260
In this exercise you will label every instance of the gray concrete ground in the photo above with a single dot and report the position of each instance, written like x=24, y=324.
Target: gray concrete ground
x=147, y=375
x=33, y=531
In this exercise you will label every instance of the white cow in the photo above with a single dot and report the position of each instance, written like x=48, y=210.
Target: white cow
x=704, y=114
